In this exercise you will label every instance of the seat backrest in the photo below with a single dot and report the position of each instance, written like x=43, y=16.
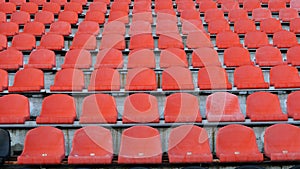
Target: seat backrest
x=34, y=28
x=203, y=57
x=173, y=57
x=259, y=14
x=213, y=77
x=29, y=77
x=115, y=41
x=24, y=41
x=284, y=39
x=227, y=39
x=198, y=39
x=105, y=79
x=268, y=56
x=60, y=28
x=115, y=27
x=141, y=79
x=270, y=25
x=52, y=42
x=77, y=58
x=41, y=59
x=109, y=57
x=177, y=78
x=69, y=77
x=292, y=106
x=11, y=59
x=237, y=56
x=3, y=79
x=141, y=58
x=284, y=74
x=90, y=27
x=249, y=76
x=14, y=105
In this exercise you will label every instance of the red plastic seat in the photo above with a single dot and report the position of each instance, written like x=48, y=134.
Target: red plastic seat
x=142, y=16
x=167, y=14
x=191, y=14
x=115, y=27
x=34, y=28
x=217, y=26
x=95, y=16
x=198, y=39
x=270, y=25
x=293, y=56
x=11, y=59
x=57, y=109
x=264, y=106
x=14, y=109
x=18, y=2
x=249, y=5
x=295, y=4
x=105, y=79
x=60, y=28
x=68, y=80
x=173, y=57
x=84, y=41
x=2, y=17
x=189, y=144
x=107, y=2
x=284, y=39
x=3, y=42
x=116, y=41
x=141, y=41
x=88, y=27
x=182, y=107
x=3, y=80
x=120, y=16
x=20, y=17
x=229, y=5
x=38, y=2
x=73, y=6
x=109, y=57
x=227, y=39
x=51, y=7
x=82, y=2
x=295, y=25
x=276, y=5
x=91, y=145
x=260, y=14
x=170, y=40
x=119, y=6
x=237, y=14
x=237, y=56
x=44, y=17
x=166, y=26
x=287, y=14
x=140, y=108
x=7, y=7
x=140, y=145
x=249, y=77
x=141, y=6
x=28, y=80
x=256, y=39
x=177, y=78
x=23, y=41
x=244, y=149
x=29, y=7
x=162, y=5
x=51, y=146
x=284, y=76
x=268, y=56
x=41, y=59
x=189, y=26
x=60, y=2
x=213, y=14
x=68, y=16
x=243, y=26
x=77, y=58
x=185, y=5
x=98, y=6
x=141, y=79
x=141, y=58
x=140, y=27
x=292, y=105
x=213, y=77
x=52, y=42
x=9, y=28
x=203, y=57
x=222, y=107
x=206, y=5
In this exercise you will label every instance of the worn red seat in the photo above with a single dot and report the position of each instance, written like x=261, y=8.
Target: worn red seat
x=284, y=76
x=73, y=6
x=29, y=7
x=205, y=56
x=177, y=78
x=20, y=17
x=141, y=41
x=109, y=57
x=189, y=26
x=141, y=79
x=3, y=80
x=140, y=27
x=185, y=5
x=95, y=16
x=243, y=26
x=249, y=5
x=270, y=25
x=294, y=25
x=60, y=2
x=288, y=14
x=260, y=14
x=213, y=14
x=51, y=7
x=292, y=56
x=276, y=5
x=52, y=42
x=166, y=14
x=61, y=28
x=244, y=149
x=68, y=80
x=23, y=42
x=115, y=27
x=116, y=41
x=249, y=77
x=256, y=39
x=14, y=108
x=264, y=106
x=7, y=7
x=51, y=146
x=170, y=40
x=166, y=26
x=9, y=28
x=190, y=14
x=11, y=59
x=198, y=39
x=227, y=39
x=213, y=77
x=68, y=16
x=34, y=28
x=41, y=59
x=44, y=17
x=120, y=6
x=105, y=79
x=217, y=26
x=189, y=144
x=141, y=58
x=162, y=5
x=142, y=16
x=38, y=2
x=77, y=58
x=98, y=6
x=284, y=39
x=88, y=27
x=182, y=107
x=206, y=5
x=292, y=106
x=237, y=56
x=141, y=6
x=268, y=56
x=84, y=41
x=229, y=5
x=173, y=57
x=120, y=16
x=237, y=14
x=91, y=145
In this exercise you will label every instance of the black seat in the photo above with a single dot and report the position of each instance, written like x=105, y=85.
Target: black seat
x=4, y=145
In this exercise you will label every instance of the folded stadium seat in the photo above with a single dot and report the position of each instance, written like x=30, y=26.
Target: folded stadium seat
x=141, y=6
x=61, y=28
x=249, y=77
x=41, y=59
x=120, y=16
x=170, y=40
x=284, y=39
x=141, y=41
x=198, y=39
x=141, y=58
x=227, y=39
x=44, y=17
x=9, y=28
x=88, y=27
x=244, y=149
x=68, y=16
x=217, y=26
x=60, y=2
x=205, y=56
x=276, y=5
x=185, y=5
x=268, y=56
x=105, y=79
x=57, y=109
x=3, y=80
x=51, y=7
x=98, y=6
x=294, y=25
x=189, y=26
x=287, y=14
x=206, y=5
x=115, y=27
x=166, y=26
x=191, y=14
x=182, y=107
x=237, y=56
x=256, y=39
x=270, y=25
x=140, y=27
x=142, y=16
x=109, y=57
x=99, y=108
x=95, y=16
x=18, y=2
x=23, y=42
x=250, y=5
x=163, y=5
x=11, y=59
x=177, y=78
x=34, y=28
x=14, y=109
x=52, y=42
x=229, y=5
x=20, y=17
x=213, y=77
x=223, y=107
x=77, y=58
x=141, y=79
x=84, y=41
x=213, y=14
x=140, y=108
x=295, y=4
x=28, y=80
x=7, y=7
x=82, y=2
x=140, y=145
x=167, y=14
x=91, y=145
x=284, y=76
x=259, y=14
x=116, y=41
x=173, y=57
x=119, y=6
x=5, y=145
x=189, y=144
x=38, y=2
x=51, y=148
x=292, y=106
x=29, y=7
x=244, y=26
x=68, y=80
x=281, y=142
x=2, y=17
x=73, y=6
x=293, y=56
x=264, y=106
x=3, y=42
x=237, y=14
